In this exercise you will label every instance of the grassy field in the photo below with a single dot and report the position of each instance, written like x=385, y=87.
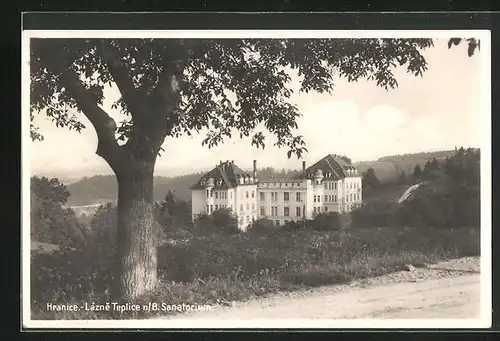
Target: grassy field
x=207, y=270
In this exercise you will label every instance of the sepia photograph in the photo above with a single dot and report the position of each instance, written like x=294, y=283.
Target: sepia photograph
x=256, y=179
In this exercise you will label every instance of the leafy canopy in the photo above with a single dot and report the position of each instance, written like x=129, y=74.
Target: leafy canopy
x=171, y=87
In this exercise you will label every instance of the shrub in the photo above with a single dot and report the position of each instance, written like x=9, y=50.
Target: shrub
x=222, y=221
x=225, y=221
x=295, y=225
x=326, y=221
x=374, y=214
x=263, y=225
x=461, y=207
x=51, y=222
x=240, y=265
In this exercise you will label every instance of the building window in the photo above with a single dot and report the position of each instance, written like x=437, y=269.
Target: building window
x=326, y=198
x=334, y=185
x=216, y=195
x=211, y=193
x=241, y=208
x=297, y=211
x=216, y=206
x=253, y=194
x=326, y=185
x=326, y=208
x=314, y=198
x=286, y=211
x=286, y=196
x=297, y=196
x=262, y=211
x=319, y=198
x=246, y=193
x=335, y=198
x=277, y=223
x=272, y=196
x=208, y=193
x=253, y=206
x=286, y=222
x=208, y=209
x=262, y=196
x=350, y=197
x=211, y=208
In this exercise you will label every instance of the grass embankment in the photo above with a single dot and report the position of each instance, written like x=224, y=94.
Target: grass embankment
x=207, y=270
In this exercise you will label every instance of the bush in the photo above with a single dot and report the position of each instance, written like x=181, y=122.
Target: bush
x=374, y=214
x=461, y=207
x=51, y=222
x=326, y=222
x=222, y=221
x=263, y=225
x=241, y=265
x=225, y=221
x=295, y=225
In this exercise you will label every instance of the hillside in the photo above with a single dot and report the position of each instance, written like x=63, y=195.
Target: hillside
x=388, y=167
x=102, y=188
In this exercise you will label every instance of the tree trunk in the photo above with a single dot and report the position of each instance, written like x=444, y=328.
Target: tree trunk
x=137, y=253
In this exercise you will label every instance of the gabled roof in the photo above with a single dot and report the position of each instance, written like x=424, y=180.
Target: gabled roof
x=333, y=167
x=225, y=176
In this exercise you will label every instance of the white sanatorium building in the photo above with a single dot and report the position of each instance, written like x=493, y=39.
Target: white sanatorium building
x=330, y=185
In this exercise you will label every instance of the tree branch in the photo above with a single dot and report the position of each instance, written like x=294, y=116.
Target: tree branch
x=123, y=81
x=104, y=125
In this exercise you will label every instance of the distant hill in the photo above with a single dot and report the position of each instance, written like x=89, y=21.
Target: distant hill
x=102, y=188
x=388, y=167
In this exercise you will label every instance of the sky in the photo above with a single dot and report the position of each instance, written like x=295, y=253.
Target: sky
x=435, y=112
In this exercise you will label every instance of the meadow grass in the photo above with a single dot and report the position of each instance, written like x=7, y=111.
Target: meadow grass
x=211, y=269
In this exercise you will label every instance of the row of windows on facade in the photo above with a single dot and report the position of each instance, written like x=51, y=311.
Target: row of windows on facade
x=317, y=198
x=210, y=208
x=286, y=211
x=286, y=195
x=333, y=198
x=223, y=194
x=350, y=185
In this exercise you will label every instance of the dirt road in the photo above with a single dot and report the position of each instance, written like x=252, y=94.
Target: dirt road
x=446, y=290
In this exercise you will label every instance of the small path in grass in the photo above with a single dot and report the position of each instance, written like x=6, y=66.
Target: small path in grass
x=445, y=290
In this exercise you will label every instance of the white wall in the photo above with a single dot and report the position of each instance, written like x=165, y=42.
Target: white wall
x=198, y=202
x=246, y=208
x=278, y=201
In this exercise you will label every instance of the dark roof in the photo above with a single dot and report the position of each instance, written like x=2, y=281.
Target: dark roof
x=333, y=167
x=224, y=174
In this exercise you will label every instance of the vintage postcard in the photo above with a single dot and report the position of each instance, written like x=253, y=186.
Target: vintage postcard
x=256, y=179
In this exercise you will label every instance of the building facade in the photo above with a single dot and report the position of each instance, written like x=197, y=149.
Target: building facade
x=330, y=185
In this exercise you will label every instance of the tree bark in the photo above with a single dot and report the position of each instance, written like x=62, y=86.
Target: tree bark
x=137, y=244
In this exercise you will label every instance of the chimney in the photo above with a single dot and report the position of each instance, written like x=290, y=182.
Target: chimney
x=304, y=168
x=254, y=169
